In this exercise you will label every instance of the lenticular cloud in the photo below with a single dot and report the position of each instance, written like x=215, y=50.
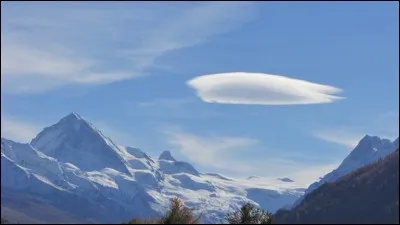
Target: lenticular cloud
x=261, y=89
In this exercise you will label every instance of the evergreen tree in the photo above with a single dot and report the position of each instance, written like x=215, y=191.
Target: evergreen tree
x=249, y=214
x=177, y=214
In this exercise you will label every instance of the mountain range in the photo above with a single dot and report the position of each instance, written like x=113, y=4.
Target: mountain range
x=71, y=172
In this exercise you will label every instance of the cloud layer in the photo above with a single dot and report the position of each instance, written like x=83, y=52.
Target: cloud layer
x=261, y=89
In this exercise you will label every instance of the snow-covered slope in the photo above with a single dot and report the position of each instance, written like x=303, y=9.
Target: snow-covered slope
x=368, y=150
x=73, y=163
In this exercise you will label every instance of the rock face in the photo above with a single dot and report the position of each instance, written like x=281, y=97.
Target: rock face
x=71, y=172
x=166, y=155
x=369, y=194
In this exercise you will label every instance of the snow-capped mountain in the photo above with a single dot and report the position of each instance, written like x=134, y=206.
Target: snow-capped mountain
x=368, y=150
x=76, y=141
x=74, y=168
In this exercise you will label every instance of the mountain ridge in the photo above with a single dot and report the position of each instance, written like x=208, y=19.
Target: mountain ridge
x=369, y=194
x=368, y=150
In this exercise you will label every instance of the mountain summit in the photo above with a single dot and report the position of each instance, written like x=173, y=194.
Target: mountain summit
x=166, y=155
x=368, y=150
x=75, y=140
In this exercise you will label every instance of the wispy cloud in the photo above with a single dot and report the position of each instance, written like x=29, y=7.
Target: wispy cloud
x=384, y=125
x=18, y=130
x=206, y=150
x=191, y=26
x=341, y=136
x=223, y=154
x=67, y=43
x=260, y=89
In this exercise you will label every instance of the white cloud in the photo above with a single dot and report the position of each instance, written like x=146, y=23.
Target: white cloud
x=36, y=61
x=49, y=46
x=42, y=71
x=207, y=150
x=260, y=89
x=20, y=131
x=189, y=27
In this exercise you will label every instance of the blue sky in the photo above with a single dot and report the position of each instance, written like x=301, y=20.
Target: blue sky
x=136, y=70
